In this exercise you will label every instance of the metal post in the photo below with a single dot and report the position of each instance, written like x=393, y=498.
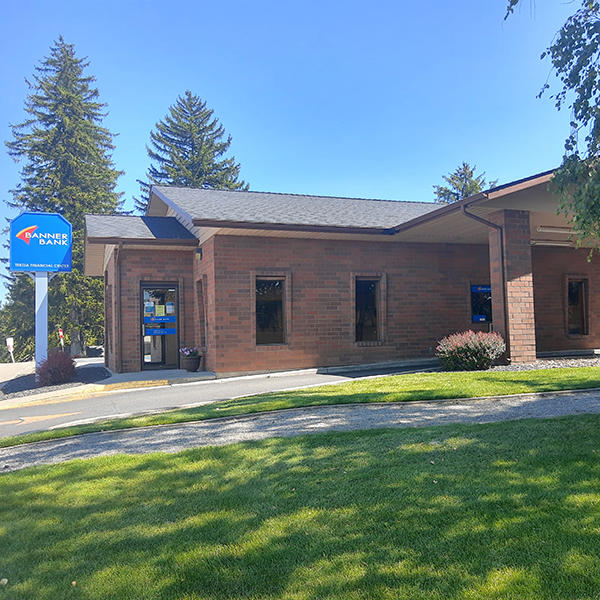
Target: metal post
x=41, y=317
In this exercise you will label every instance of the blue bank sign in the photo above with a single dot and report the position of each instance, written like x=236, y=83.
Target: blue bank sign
x=40, y=242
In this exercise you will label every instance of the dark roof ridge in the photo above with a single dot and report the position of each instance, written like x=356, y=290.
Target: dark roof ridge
x=112, y=215
x=128, y=215
x=182, y=187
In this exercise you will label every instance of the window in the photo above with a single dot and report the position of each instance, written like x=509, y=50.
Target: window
x=270, y=320
x=481, y=304
x=577, y=318
x=367, y=318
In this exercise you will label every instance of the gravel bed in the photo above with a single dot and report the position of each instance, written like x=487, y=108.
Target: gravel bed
x=550, y=363
x=25, y=385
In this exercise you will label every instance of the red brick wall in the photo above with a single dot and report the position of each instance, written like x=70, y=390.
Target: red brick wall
x=428, y=296
x=110, y=315
x=204, y=277
x=520, y=336
x=551, y=267
x=152, y=266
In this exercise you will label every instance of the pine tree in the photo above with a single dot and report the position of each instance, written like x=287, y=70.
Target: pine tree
x=462, y=183
x=67, y=169
x=187, y=148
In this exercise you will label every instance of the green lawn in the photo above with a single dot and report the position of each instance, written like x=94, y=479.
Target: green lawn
x=397, y=388
x=501, y=511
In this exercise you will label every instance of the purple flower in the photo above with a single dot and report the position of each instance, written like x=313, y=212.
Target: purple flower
x=187, y=351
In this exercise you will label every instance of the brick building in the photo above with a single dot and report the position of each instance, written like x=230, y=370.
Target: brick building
x=263, y=281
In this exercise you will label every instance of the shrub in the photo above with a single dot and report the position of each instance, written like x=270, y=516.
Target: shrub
x=59, y=367
x=470, y=351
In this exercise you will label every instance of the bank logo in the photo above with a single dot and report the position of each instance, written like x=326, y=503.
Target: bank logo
x=44, y=239
x=40, y=242
x=25, y=234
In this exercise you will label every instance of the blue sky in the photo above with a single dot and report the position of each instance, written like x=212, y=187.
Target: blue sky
x=332, y=98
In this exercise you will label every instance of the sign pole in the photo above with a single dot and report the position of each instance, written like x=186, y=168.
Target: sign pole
x=41, y=317
x=40, y=243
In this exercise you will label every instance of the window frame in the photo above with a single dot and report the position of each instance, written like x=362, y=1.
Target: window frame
x=275, y=275
x=586, y=304
x=381, y=306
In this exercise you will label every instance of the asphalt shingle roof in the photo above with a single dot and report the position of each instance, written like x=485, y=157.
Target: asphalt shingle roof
x=291, y=209
x=134, y=227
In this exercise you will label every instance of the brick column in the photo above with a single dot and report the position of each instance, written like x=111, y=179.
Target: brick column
x=517, y=323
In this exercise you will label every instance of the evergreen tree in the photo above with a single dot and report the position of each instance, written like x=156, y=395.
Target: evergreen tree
x=187, y=148
x=67, y=169
x=461, y=183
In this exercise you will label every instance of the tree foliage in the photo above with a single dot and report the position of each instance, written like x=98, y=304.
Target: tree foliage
x=188, y=148
x=575, y=57
x=461, y=183
x=67, y=168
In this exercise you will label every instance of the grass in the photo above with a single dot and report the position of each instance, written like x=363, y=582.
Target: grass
x=501, y=511
x=397, y=388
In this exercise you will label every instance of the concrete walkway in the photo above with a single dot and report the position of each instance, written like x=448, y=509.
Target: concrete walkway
x=11, y=370
x=287, y=423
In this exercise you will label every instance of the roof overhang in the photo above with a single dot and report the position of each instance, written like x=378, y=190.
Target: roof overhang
x=98, y=251
x=452, y=224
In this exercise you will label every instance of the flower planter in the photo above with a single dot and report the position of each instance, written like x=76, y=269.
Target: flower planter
x=189, y=363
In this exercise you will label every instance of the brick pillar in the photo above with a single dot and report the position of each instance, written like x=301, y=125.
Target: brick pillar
x=517, y=324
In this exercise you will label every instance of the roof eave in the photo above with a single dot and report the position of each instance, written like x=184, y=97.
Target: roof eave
x=435, y=214
x=491, y=194
x=151, y=241
x=289, y=227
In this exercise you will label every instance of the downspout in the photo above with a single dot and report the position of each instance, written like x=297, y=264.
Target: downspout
x=119, y=321
x=500, y=231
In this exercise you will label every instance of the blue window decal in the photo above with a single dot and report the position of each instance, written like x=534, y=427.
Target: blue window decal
x=481, y=303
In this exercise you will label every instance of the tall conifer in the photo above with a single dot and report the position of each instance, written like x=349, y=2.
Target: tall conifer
x=187, y=148
x=67, y=168
x=461, y=183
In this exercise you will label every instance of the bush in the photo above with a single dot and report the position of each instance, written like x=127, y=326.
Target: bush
x=470, y=351
x=59, y=367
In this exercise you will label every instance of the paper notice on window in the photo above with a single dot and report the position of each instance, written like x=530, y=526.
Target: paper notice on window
x=160, y=310
x=170, y=308
x=149, y=307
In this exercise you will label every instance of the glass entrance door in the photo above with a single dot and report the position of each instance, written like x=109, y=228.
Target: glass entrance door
x=160, y=315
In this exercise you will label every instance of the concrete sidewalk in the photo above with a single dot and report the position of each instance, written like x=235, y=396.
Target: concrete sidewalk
x=11, y=370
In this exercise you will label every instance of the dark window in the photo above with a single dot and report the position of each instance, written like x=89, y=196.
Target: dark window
x=269, y=311
x=367, y=297
x=481, y=304
x=577, y=307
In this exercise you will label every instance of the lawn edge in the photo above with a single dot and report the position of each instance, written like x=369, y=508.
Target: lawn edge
x=258, y=414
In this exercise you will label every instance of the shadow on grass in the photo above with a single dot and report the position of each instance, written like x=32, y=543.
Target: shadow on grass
x=497, y=511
